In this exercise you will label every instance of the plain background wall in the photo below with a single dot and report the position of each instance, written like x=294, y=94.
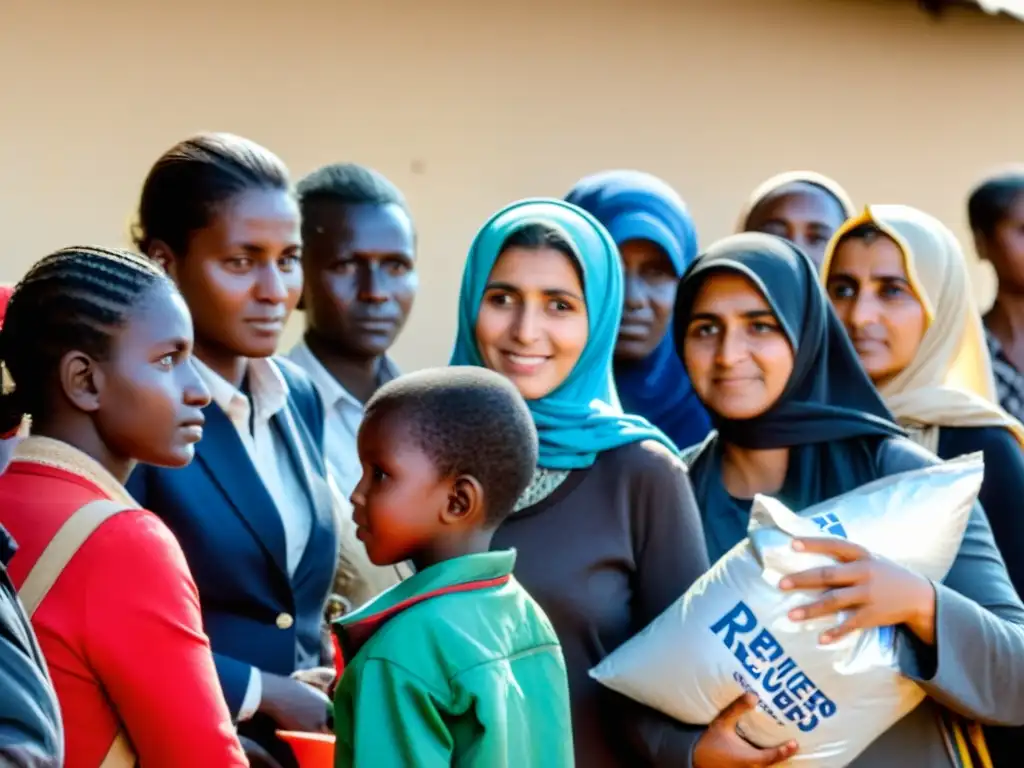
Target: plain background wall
x=468, y=105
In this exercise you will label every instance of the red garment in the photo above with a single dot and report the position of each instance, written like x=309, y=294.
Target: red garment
x=120, y=629
x=6, y=291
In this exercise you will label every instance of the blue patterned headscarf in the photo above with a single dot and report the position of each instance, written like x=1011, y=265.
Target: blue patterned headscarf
x=581, y=417
x=637, y=206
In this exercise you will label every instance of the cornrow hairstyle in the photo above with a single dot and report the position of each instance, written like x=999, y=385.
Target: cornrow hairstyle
x=991, y=200
x=193, y=178
x=469, y=421
x=350, y=184
x=74, y=299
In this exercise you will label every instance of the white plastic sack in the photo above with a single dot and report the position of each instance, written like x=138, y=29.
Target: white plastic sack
x=730, y=633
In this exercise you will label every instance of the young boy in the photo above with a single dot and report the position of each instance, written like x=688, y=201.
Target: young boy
x=457, y=665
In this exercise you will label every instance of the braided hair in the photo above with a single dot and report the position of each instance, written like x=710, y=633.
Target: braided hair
x=195, y=176
x=74, y=299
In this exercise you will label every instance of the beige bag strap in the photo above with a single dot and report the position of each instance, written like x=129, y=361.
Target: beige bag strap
x=44, y=574
x=120, y=754
x=62, y=547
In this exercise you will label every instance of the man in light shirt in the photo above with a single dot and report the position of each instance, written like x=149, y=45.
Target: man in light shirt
x=359, y=263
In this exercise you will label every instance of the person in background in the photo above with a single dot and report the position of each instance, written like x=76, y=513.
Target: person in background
x=457, y=665
x=657, y=241
x=359, y=264
x=607, y=534
x=804, y=207
x=899, y=282
x=98, y=343
x=254, y=512
x=9, y=440
x=995, y=210
x=798, y=418
x=31, y=732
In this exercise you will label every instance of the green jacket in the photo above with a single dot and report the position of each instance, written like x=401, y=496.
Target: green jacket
x=456, y=666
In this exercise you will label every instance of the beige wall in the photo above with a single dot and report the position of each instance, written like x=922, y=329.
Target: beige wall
x=469, y=104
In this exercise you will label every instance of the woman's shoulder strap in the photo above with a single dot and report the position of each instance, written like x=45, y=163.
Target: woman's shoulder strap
x=75, y=531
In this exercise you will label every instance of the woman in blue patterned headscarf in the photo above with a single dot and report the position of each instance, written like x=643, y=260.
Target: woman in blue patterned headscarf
x=657, y=241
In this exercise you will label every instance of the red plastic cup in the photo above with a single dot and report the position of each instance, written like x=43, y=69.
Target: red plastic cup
x=312, y=750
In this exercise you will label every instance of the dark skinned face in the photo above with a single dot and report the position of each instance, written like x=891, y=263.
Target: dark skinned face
x=361, y=279
x=242, y=275
x=649, y=297
x=148, y=395
x=1004, y=248
x=403, y=508
x=804, y=214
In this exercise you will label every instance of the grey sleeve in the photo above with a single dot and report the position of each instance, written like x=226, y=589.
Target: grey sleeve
x=976, y=667
x=31, y=732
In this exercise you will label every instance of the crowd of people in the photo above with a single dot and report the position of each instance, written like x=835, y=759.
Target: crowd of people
x=214, y=542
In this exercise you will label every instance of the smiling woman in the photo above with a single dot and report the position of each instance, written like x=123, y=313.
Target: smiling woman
x=532, y=325
x=825, y=433
x=736, y=350
x=607, y=533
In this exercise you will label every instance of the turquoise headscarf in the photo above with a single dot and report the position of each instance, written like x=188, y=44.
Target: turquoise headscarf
x=582, y=417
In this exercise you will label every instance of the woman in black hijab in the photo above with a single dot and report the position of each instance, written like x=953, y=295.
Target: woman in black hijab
x=797, y=418
x=800, y=385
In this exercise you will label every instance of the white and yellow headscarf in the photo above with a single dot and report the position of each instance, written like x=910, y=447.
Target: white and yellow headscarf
x=949, y=382
x=795, y=179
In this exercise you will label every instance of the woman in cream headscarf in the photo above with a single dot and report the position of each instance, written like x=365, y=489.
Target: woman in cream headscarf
x=898, y=280
x=804, y=207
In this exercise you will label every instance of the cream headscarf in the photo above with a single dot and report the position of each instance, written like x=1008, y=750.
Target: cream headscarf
x=949, y=382
x=795, y=178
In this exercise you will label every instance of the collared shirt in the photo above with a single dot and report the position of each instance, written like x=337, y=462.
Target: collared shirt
x=270, y=455
x=1009, y=381
x=344, y=414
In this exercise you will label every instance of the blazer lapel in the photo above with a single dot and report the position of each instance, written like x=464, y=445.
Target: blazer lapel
x=222, y=454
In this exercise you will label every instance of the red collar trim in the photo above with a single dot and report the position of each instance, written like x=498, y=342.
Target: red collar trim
x=358, y=632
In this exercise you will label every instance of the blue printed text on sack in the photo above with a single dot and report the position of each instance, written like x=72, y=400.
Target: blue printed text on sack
x=792, y=692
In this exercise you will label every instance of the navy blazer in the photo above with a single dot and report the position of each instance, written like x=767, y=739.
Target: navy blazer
x=255, y=614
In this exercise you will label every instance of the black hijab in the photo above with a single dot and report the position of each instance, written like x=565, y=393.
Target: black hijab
x=829, y=413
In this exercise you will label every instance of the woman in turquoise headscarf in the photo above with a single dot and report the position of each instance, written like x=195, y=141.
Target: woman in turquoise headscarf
x=608, y=533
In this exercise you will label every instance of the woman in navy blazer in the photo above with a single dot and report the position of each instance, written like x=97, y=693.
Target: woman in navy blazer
x=254, y=513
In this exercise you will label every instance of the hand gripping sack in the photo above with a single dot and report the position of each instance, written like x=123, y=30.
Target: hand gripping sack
x=730, y=633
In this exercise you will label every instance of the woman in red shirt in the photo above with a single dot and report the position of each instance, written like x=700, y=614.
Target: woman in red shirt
x=98, y=345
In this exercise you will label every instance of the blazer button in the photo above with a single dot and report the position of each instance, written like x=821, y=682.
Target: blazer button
x=284, y=621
